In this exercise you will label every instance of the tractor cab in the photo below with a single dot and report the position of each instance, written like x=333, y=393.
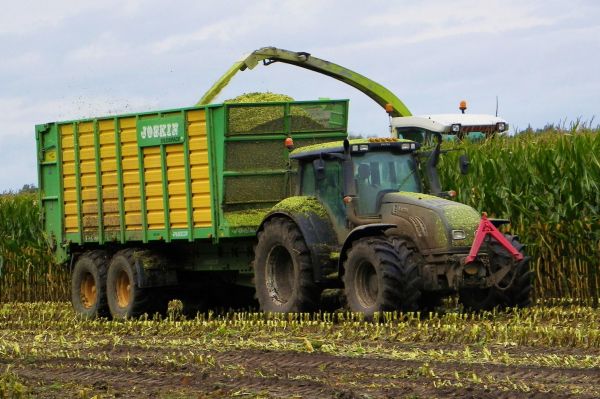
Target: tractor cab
x=362, y=173
x=360, y=219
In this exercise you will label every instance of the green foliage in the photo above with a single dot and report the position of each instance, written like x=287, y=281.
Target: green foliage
x=11, y=386
x=548, y=185
x=27, y=269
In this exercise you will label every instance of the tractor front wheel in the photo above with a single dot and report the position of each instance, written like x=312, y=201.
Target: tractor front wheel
x=381, y=274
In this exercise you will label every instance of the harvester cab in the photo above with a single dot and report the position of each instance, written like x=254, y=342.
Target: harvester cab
x=473, y=127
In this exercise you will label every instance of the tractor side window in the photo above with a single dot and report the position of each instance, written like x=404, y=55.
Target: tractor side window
x=308, y=180
x=329, y=190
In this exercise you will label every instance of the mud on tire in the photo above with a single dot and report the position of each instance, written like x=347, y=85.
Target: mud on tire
x=88, y=285
x=283, y=270
x=382, y=274
x=514, y=290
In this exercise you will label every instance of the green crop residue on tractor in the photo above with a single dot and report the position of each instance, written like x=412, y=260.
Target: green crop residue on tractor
x=246, y=218
x=302, y=206
x=210, y=199
x=465, y=218
x=418, y=196
x=441, y=233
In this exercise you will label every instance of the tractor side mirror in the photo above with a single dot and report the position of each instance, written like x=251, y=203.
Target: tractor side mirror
x=463, y=164
x=319, y=166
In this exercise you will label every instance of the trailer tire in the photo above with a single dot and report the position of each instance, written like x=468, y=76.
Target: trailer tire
x=283, y=270
x=518, y=294
x=125, y=298
x=88, y=285
x=382, y=274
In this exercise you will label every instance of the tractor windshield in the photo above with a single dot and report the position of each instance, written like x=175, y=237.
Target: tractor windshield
x=377, y=173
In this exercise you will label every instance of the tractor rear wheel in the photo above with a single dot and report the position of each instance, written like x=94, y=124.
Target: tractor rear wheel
x=88, y=285
x=125, y=298
x=382, y=274
x=513, y=291
x=283, y=270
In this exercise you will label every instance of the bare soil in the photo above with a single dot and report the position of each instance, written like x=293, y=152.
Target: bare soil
x=135, y=372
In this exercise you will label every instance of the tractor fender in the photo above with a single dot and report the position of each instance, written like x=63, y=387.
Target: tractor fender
x=367, y=230
x=318, y=235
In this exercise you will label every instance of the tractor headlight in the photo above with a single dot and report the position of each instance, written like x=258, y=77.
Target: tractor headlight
x=455, y=127
x=458, y=235
x=501, y=126
x=405, y=146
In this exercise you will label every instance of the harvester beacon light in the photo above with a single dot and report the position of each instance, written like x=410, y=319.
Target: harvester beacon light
x=462, y=106
x=389, y=108
x=455, y=127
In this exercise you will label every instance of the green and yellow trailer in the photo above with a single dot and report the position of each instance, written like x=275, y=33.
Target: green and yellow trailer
x=147, y=206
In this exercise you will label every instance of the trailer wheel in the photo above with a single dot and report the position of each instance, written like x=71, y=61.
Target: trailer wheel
x=125, y=298
x=283, y=270
x=382, y=275
x=88, y=285
x=515, y=289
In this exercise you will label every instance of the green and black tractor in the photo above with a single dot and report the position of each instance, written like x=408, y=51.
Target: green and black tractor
x=361, y=222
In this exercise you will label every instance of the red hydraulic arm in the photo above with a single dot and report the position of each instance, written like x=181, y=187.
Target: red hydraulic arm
x=487, y=228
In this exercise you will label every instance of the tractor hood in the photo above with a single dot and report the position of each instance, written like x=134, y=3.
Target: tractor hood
x=436, y=223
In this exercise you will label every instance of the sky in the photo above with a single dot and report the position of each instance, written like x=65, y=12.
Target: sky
x=69, y=59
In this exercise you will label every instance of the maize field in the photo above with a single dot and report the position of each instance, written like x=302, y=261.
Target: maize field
x=547, y=184
x=548, y=351
x=27, y=269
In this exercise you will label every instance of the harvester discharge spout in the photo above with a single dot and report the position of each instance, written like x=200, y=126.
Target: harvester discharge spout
x=269, y=55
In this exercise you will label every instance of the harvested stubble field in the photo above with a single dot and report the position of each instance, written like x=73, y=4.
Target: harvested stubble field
x=551, y=350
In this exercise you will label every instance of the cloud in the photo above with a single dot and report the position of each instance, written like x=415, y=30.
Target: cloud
x=258, y=19
x=428, y=22
x=29, y=16
x=20, y=62
x=107, y=46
